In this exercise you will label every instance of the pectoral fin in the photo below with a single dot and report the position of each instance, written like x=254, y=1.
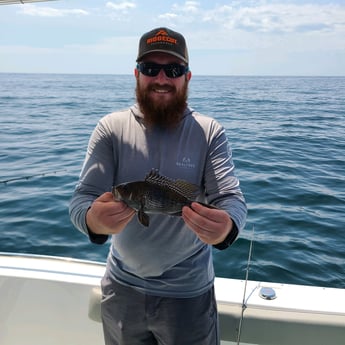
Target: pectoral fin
x=143, y=218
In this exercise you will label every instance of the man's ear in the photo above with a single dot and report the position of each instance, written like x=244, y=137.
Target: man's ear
x=188, y=75
x=136, y=73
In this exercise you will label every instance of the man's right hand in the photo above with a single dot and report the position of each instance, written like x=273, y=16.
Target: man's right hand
x=107, y=216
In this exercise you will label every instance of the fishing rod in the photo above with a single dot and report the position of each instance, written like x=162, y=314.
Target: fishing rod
x=244, y=305
x=21, y=178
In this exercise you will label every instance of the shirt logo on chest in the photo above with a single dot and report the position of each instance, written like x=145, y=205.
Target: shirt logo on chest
x=186, y=162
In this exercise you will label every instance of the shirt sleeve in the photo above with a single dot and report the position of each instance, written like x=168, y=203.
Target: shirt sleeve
x=95, y=179
x=221, y=184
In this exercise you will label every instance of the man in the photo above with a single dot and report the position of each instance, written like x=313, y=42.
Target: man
x=158, y=285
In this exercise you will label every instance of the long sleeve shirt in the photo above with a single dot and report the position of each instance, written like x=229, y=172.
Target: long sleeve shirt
x=167, y=258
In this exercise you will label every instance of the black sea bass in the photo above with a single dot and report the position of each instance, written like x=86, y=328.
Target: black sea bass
x=157, y=194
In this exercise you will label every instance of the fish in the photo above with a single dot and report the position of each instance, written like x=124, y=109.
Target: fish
x=157, y=194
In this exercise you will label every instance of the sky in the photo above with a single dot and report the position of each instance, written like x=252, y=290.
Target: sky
x=285, y=37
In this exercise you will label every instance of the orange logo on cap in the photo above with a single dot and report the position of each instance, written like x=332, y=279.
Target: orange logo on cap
x=161, y=36
x=162, y=32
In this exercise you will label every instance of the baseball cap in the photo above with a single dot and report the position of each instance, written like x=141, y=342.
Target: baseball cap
x=163, y=40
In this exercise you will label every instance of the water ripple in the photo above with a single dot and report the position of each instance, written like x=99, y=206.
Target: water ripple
x=287, y=136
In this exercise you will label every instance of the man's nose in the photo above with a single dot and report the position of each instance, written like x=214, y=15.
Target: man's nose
x=161, y=75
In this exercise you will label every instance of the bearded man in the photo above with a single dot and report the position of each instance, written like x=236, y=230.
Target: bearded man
x=158, y=287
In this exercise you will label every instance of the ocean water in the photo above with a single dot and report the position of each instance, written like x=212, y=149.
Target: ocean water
x=287, y=136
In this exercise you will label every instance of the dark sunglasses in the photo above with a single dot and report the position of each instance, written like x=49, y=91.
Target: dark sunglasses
x=171, y=70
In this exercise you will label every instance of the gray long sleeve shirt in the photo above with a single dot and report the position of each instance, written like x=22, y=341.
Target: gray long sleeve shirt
x=167, y=258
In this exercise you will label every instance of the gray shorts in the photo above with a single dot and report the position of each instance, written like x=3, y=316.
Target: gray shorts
x=132, y=318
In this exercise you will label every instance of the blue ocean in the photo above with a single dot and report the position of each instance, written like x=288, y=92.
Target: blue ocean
x=288, y=140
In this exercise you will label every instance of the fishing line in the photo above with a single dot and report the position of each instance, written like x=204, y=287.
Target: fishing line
x=244, y=306
x=48, y=173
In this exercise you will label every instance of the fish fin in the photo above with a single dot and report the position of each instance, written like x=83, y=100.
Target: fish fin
x=208, y=205
x=143, y=218
x=176, y=214
x=185, y=188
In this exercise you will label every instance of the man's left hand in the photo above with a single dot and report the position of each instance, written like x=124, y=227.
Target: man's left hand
x=211, y=225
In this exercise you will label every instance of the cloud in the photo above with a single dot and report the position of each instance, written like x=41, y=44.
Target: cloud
x=262, y=17
x=38, y=11
x=190, y=7
x=185, y=13
x=282, y=18
x=119, y=11
x=122, y=6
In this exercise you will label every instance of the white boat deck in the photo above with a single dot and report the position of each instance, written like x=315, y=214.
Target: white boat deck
x=57, y=301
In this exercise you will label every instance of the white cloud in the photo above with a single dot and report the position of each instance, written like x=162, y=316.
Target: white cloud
x=122, y=6
x=189, y=7
x=119, y=11
x=262, y=17
x=168, y=16
x=38, y=11
x=283, y=17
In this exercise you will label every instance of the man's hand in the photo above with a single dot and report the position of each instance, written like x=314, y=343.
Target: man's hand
x=210, y=225
x=107, y=216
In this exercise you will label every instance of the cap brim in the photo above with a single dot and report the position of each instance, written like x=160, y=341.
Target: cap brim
x=162, y=51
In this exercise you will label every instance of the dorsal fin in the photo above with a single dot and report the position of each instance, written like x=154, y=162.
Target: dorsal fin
x=187, y=189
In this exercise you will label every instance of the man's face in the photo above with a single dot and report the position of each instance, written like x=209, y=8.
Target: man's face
x=161, y=99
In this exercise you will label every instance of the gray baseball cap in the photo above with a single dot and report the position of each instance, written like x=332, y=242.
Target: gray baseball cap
x=163, y=40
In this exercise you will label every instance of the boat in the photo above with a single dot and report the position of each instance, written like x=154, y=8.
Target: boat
x=46, y=300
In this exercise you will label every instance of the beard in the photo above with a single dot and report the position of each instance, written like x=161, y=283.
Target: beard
x=162, y=114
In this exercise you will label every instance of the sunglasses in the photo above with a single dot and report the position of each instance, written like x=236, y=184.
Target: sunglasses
x=171, y=70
